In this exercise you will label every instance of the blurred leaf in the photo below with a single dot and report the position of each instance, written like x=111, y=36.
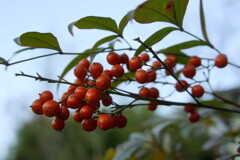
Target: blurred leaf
x=109, y=155
x=180, y=9
x=104, y=40
x=123, y=23
x=3, y=61
x=203, y=23
x=155, y=11
x=94, y=22
x=122, y=79
x=23, y=50
x=38, y=40
x=214, y=103
x=154, y=38
x=158, y=156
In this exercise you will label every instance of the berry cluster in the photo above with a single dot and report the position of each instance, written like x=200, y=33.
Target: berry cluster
x=93, y=83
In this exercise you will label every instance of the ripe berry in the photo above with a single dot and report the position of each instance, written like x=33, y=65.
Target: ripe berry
x=194, y=117
x=144, y=92
x=152, y=107
x=86, y=112
x=156, y=65
x=58, y=124
x=64, y=98
x=154, y=93
x=91, y=83
x=76, y=117
x=95, y=105
x=64, y=113
x=221, y=61
x=46, y=95
x=195, y=60
x=37, y=106
x=105, y=121
x=189, y=71
x=141, y=76
x=71, y=89
x=124, y=58
x=182, y=86
x=197, y=91
x=120, y=121
x=144, y=57
x=170, y=61
x=103, y=82
x=134, y=63
x=117, y=71
x=73, y=101
x=190, y=109
x=151, y=75
x=89, y=124
x=113, y=58
x=92, y=96
x=107, y=100
x=81, y=91
x=95, y=69
x=80, y=72
x=107, y=73
x=51, y=108
x=84, y=63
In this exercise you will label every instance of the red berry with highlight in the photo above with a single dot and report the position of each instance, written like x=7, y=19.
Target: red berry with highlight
x=107, y=100
x=117, y=71
x=195, y=61
x=144, y=57
x=134, y=63
x=103, y=82
x=189, y=71
x=37, y=106
x=124, y=58
x=86, y=112
x=95, y=69
x=92, y=95
x=64, y=113
x=105, y=121
x=144, y=92
x=221, y=61
x=51, y=108
x=113, y=58
x=89, y=125
x=46, y=96
x=197, y=91
x=141, y=76
x=58, y=124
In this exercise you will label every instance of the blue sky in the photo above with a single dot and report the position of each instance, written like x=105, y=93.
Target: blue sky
x=54, y=15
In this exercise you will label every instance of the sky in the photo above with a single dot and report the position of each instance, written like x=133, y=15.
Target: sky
x=54, y=16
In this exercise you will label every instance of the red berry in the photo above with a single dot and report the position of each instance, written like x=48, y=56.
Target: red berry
x=86, y=112
x=190, y=109
x=81, y=91
x=91, y=83
x=103, y=82
x=195, y=61
x=182, y=86
x=107, y=100
x=156, y=65
x=170, y=61
x=134, y=63
x=89, y=124
x=92, y=96
x=105, y=121
x=194, y=117
x=124, y=58
x=144, y=92
x=51, y=108
x=141, y=76
x=73, y=101
x=113, y=58
x=37, y=106
x=197, y=91
x=221, y=61
x=84, y=62
x=120, y=121
x=76, y=117
x=117, y=71
x=58, y=124
x=189, y=71
x=71, y=89
x=144, y=57
x=154, y=93
x=152, y=107
x=107, y=73
x=46, y=96
x=152, y=75
x=95, y=69
x=64, y=113
x=80, y=72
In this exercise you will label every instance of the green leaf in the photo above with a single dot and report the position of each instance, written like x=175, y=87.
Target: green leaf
x=154, y=38
x=203, y=23
x=180, y=9
x=3, y=61
x=123, y=23
x=105, y=40
x=70, y=28
x=93, y=22
x=122, y=79
x=38, y=40
x=155, y=11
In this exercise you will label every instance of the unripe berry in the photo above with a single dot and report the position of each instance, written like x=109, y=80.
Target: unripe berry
x=117, y=71
x=37, y=106
x=195, y=60
x=113, y=58
x=141, y=76
x=197, y=91
x=194, y=117
x=46, y=96
x=189, y=71
x=58, y=124
x=89, y=124
x=95, y=69
x=51, y=108
x=105, y=121
x=182, y=86
x=221, y=61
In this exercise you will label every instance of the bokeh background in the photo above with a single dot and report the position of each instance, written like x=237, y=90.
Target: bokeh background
x=54, y=16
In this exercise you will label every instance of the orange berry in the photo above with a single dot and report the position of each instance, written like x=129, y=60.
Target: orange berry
x=71, y=89
x=107, y=73
x=103, y=82
x=76, y=116
x=37, y=106
x=92, y=96
x=117, y=70
x=141, y=76
x=221, y=61
x=144, y=57
x=197, y=91
x=91, y=83
x=181, y=87
x=84, y=63
x=64, y=113
x=144, y=92
x=105, y=121
x=46, y=95
x=195, y=60
x=156, y=65
x=113, y=58
x=189, y=71
x=95, y=69
x=50, y=108
x=151, y=75
x=134, y=63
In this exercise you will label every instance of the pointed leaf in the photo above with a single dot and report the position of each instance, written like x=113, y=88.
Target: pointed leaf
x=38, y=40
x=203, y=23
x=123, y=23
x=105, y=40
x=180, y=9
x=155, y=38
x=93, y=22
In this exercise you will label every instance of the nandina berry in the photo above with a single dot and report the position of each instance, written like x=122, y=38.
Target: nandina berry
x=120, y=121
x=154, y=93
x=37, y=106
x=172, y=58
x=84, y=63
x=197, y=91
x=144, y=57
x=221, y=61
x=103, y=82
x=86, y=112
x=89, y=124
x=107, y=73
x=105, y=121
x=58, y=124
x=92, y=95
x=64, y=98
x=107, y=100
x=91, y=83
x=117, y=70
x=151, y=75
x=76, y=116
x=113, y=58
x=170, y=61
x=81, y=91
x=190, y=109
x=78, y=82
x=46, y=96
x=124, y=58
x=194, y=117
x=156, y=65
x=144, y=92
x=95, y=105
x=134, y=63
x=71, y=89
x=141, y=76
x=152, y=107
x=80, y=72
x=189, y=71
x=73, y=101
x=195, y=60
x=95, y=69
x=50, y=108
x=64, y=113
x=182, y=86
